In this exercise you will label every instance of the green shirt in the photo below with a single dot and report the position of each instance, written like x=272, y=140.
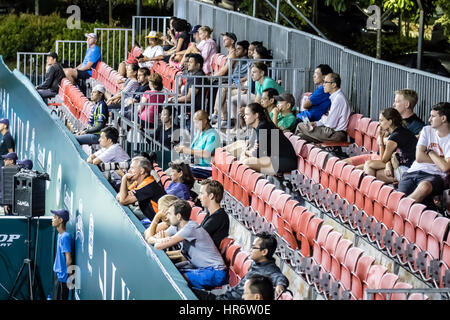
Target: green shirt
x=287, y=122
x=207, y=140
x=267, y=83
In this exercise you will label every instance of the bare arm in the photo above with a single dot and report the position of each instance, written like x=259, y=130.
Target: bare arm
x=386, y=155
x=86, y=67
x=441, y=162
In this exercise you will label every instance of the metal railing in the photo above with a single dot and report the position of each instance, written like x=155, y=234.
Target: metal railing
x=71, y=52
x=114, y=43
x=424, y=294
x=32, y=65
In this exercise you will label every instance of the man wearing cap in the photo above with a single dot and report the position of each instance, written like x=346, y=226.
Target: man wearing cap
x=25, y=164
x=53, y=76
x=10, y=159
x=91, y=58
x=153, y=52
x=64, y=252
x=97, y=119
x=7, y=142
x=282, y=115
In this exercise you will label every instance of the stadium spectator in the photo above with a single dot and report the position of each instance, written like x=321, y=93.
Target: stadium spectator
x=262, y=251
x=177, y=57
x=258, y=287
x=251, y=48
x=182, y=28
x=207, y=47
x=7, y=143
x=268, y=101
x=205, y=141
x=319, y=102
x=110, y=151
x=204, y=267
x=143, y=81
x=182, y=180
x=333, y=126
x=282, y=115
x=229, y=40
x=394, y=140
x=404, y=101
x=195, y=65
x=164, y=132
x=153, y=98
x=427, y=175
x=64, y=254
x=160, y=223
x=154, y=52
x=138, y=185
x=170, y=38
x=91, y=58
x=98, y=117
x=268, y=160
x=55, y=73
x=131, y=59
x=239, y=77
x=25, y=164
x=10, y=159
x=131, y=85
x=262, y=53
x=216, y=221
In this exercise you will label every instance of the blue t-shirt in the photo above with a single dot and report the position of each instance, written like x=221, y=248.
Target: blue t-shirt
x=320, y=104
x=179, y=190
x=65, y=244
x=206, y=140
x=92, y=55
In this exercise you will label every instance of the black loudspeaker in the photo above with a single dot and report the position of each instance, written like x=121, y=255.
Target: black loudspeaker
x=29, y=194
x=7, y=184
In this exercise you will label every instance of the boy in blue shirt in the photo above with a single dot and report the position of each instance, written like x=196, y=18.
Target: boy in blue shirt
x=64, y=252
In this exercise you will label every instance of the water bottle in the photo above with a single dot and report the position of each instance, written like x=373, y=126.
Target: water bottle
x=49, y=297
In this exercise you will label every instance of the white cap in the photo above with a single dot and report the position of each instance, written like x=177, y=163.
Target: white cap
x=90, y=35
x=152, y=34
x=99, y=88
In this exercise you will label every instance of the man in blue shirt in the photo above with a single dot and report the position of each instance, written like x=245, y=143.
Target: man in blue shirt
x=319, y=102
x=91, y=58
x=64, y=254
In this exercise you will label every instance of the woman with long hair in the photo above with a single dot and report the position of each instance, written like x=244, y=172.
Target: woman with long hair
x=397, y=147
x=182, y=180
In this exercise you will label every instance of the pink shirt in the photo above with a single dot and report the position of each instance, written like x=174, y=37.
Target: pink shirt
x=148, y=114
x=207, y=49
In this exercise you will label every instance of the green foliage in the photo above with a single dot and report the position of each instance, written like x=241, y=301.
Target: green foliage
x=30, y=33
x=391, y=46
x=445, y=19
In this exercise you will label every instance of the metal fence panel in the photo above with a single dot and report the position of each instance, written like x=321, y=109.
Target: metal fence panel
x=114, y=44
x=143, y=25
x=71, y=52
x=32, y=65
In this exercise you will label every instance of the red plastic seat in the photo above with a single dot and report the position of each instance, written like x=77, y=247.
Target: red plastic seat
x=278, y=204
x=264, y=206
x=381, y=202
x=318, y=243
x=309, y=162
x=369, y=200
x=373, y=280
x=401, y=214
x=270, y=212
x=424, y=227
x=388, y=281
x=246, y=267
x=230, y=253
x=344, y=179
x=318, y=166
x=363, y=190
x=370, y=139
x=360, y=275
x=329, y=248
x=392, y=205
x=236, y=268
x=353, y=184
x=195, y=213
x=435, y=238
x=361, y=130
x=349, y=266
x=418, y=296
x=335, y=175
x=256, y=202
x=302, y=158
x=353, y=123
x=224, y=244
x=289, y=210
x=338, y=257
x=412, y=221
x=400, y=296
x=327, y=171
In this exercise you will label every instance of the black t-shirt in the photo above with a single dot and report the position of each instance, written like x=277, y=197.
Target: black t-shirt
x=167, y=135
x=286, y=158
x=190, y=81
x=217, y=225
x=7, y=142
x=186, y=39
x=140, y=89
x=414, y=124
x=406, y=145
x=148, y=197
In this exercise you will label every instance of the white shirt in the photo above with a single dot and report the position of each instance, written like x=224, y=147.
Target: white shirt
x=339, y=113
x=430, y=139
x=150, y=52
x=114, y=153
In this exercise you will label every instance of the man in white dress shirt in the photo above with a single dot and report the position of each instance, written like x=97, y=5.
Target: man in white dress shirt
x=333, y=125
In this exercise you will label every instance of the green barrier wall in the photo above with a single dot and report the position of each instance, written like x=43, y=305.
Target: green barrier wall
x=114, y=260
x=13, y=251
